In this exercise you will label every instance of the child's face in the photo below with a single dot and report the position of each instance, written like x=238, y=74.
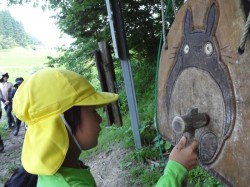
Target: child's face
x=88, y=131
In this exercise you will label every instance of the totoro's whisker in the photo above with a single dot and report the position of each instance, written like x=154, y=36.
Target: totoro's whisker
x=173, y=49
x=176, y=47
x=224, y=47
x=226, y=56
x=173, y=53
x=172, y=57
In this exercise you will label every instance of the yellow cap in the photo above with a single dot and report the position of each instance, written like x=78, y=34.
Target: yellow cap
x=39, y=101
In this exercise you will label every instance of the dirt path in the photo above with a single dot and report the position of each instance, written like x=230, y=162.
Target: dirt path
x=10, y=158
x=104, y=166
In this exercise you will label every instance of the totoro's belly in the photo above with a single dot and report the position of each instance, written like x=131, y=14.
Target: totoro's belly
x=195, y=88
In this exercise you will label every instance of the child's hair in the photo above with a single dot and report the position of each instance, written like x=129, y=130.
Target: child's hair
x=73, y=117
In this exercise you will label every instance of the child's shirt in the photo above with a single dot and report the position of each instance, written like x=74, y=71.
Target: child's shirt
x=174, y=175
x=68, y=177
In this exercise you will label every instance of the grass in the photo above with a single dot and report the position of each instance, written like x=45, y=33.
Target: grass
x=199, y=177
x=3, y=131
x=25, y=57
x=3, y=125
x=20, y=62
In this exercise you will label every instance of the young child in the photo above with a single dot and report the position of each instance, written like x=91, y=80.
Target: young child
x=59, y=108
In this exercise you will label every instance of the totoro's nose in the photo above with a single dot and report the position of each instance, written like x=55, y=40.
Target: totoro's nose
x=197, y=49
x=190, y=122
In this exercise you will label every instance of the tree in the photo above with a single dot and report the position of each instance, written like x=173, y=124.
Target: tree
x=12, y=32
x=87, y=19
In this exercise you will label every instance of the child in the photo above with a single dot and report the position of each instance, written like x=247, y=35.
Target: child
x=59, y=108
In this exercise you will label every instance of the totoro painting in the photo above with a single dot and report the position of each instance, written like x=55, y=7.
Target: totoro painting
x=204, y=86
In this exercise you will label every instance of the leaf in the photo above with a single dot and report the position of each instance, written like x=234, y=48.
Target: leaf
x=167, y=145
x=155, y=139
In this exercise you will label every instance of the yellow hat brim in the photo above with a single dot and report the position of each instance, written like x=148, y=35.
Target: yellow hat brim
x=99, y=99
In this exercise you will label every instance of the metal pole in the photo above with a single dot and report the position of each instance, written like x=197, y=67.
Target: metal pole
x=121, y=52
x=163, y=24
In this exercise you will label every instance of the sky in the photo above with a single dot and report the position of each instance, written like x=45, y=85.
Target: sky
x=38, y=23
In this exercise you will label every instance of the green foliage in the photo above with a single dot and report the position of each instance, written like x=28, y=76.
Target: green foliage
x=140, y=175
x=12, y=33
x=78, y=58
x=200, y=178
x=148, y=133
x=167, y=145
x=88, y=20
x=3, y=131
x=140, y=155
x=142, y=168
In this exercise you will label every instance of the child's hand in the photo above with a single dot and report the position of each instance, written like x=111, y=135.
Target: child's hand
x=186, y=156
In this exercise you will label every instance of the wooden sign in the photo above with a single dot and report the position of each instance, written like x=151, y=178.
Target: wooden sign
x=202, y=71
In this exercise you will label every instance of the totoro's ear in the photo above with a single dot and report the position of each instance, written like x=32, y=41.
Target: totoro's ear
x=211, y=20
x=188, y=24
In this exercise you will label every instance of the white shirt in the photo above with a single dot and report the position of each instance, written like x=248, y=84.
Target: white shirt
x=6, y=88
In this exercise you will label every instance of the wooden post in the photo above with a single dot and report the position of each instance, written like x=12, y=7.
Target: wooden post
x=108, y=68
x=101, y=76
x=121, y=51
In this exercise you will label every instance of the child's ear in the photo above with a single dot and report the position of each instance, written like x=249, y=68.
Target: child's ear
x=211, y=20
x=188, y=24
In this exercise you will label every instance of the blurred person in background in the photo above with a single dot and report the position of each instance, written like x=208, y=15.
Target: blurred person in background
x=6, y=88
x=18, y=122
x=1, y=141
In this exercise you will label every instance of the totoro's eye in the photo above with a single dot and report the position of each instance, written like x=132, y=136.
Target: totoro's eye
x=208, y=48
x=186, y=49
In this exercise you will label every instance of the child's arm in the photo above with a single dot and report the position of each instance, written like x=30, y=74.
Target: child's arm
x=181, y=160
